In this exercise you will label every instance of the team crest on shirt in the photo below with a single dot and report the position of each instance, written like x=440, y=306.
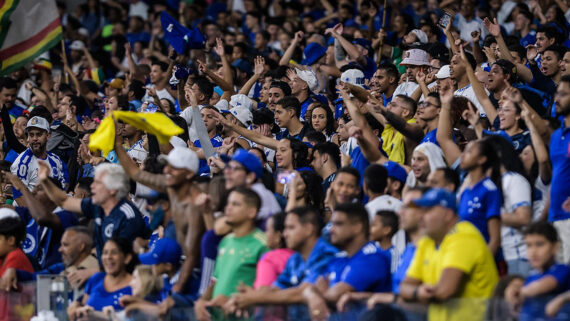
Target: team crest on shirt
x=29, y=244
x=109, y=230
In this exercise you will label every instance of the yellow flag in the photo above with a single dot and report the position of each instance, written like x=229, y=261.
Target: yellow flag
x=103, y=138
x=157, y=124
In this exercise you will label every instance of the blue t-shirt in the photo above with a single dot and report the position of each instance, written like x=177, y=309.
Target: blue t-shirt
x=405, y=261
x=559, y=188
x=529, y=39
x=98, y=295
x=479, y=204
x=533, y=308
x=216, y=141
x=125, y=221
x=370, y=68
x=355, y=270
x=297, y=270
x=43, y=243
x=284, y=133
x=430, y=137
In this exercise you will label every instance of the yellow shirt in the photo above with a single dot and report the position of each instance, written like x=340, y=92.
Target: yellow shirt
x=465, y=249
x=394, y=143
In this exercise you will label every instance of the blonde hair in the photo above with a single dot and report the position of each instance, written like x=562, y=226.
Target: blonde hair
x=150, y=283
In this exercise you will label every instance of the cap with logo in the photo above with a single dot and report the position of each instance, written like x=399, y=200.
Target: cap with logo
x=165, y=250
x=364, y=43
x=77, y=45
x=415, y=57
x=437, y=197
x=243, y=115
x=241, y=100
x=243, y=65
x=181, y=157
x=354, y=77
x=38, y=122
x=117, y=83
x=421, y=35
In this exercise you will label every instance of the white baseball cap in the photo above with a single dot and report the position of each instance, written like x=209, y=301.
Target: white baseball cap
x=181, y=157
x=77, y=45
x=176, y=141
x=422, y=37
x=354, y=77
x=8, y=213
x=241, y=100
x=443, y=72
x=38, y=122
x=242, y=114
x=309, y=77
x=415, y=57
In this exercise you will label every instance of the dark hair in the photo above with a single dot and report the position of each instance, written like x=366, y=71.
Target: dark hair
x=308, y=215
x=79, y=102
x=137, y=87
x=85, y=183
x=508, y=157
x=126, y=247
x=391, y=71
x=565, y=78
x=330, y=149
x=13, y=226
x=508, y=68
x=356, y=212
x=558, y=50
x=519, y=50
x=42, y=111
x=291, y=102
x=450, y=176
x=493, y=162
x=281, y=85
x=410, y=102
x=315, y=196
x=8, y=83
x=251, y=198
x=471, y=60
x=389, y=218
x=243, y=46
x=376, y=177
x=329, y=127
x=205, y=86
x=374, y=123
x=315, y=137
x=542, y=228
x=550, y=32
x=300, y=152
x=349, y=170
x=436, y=96
x=123, y=102
x=163, y=66
x=489, y=40
x=263, y=116
x=279, y=225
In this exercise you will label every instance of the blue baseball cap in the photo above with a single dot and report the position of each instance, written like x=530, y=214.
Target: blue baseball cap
x=437, y=197
x=165, y=250
x=396, y=171
x=351, y=23
x=243, y=65
x=363, y=42
x=312, y=53
x=247, y=160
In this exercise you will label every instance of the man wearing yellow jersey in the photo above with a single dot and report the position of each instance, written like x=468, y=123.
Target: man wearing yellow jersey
x=452, y=270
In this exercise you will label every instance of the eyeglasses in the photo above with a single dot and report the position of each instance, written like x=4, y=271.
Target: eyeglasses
x=426, y=104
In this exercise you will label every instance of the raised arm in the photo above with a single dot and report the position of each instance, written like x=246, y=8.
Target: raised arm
x=284, y=61
x=444, y=134
x=249, y=134
x=38, y=211
x=227, y=83
x=257, y=72
x=55, y=193
x=540, y=150
x=350, y=49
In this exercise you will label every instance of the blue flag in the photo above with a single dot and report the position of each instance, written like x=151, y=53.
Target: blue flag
x=179, y=36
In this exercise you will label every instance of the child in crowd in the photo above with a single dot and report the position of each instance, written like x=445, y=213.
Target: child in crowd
x=382, y=228
x=548, y=277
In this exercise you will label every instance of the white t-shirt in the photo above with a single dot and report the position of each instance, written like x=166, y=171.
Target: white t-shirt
x=516, y=193
x=469, y=93
x=467, y=27
x=406, y=88
x=541, y=194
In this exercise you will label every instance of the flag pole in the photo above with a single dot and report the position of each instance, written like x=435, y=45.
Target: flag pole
x=381, y=28
x=64, y=55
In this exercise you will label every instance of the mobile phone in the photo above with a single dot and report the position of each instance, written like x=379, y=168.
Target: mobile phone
x=285, y=176
x=445, y=19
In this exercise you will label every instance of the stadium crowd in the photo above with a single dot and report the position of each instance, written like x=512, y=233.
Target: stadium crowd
x=339, y=160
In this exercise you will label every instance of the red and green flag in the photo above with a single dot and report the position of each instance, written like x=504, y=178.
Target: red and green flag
x=27, y=29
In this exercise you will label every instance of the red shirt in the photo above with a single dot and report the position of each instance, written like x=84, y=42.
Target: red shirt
x=19, y=261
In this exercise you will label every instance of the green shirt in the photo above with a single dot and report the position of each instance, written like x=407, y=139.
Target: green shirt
x=237, y=261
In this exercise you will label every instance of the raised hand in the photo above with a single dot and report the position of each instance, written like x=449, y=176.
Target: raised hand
x=531, y=52
x=219, y=48
x=493, y=27
x=128, y=50
x=476, y=36
x=202, y=66
x=490, y=54
x=446, y=94
x=471, y=114
x=291, y=74
x=259, y=65
x=299, y=35
x=512, y=94
x=43, y=170
x=190, y=97
x=420, y=77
